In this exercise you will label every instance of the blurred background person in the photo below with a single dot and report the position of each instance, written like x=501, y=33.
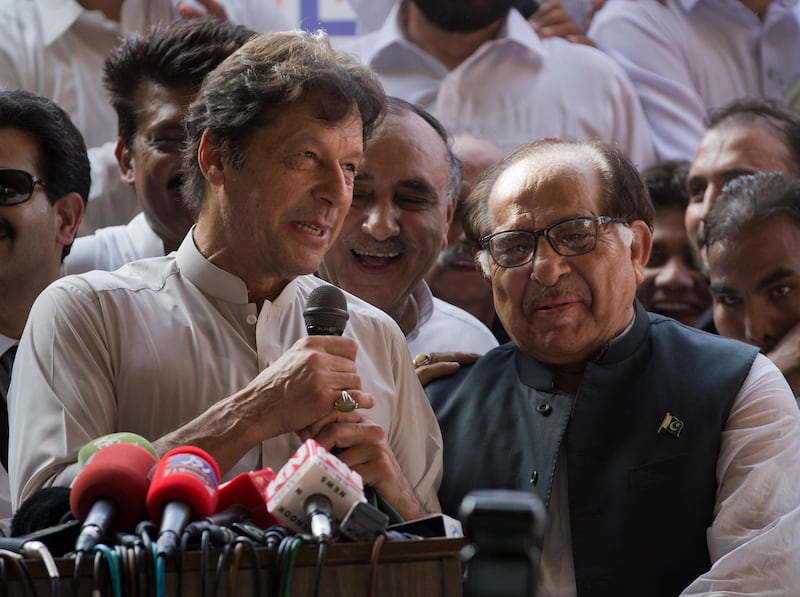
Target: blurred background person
x=752, y=237
x=673, y=284
x=454, y=276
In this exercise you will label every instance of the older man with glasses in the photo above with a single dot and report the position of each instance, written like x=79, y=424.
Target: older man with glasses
x=668, y=459
x=44, y=184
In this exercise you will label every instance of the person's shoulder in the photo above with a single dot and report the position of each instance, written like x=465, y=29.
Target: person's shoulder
x=464, y=380
x=640, y=12
x=677, y=333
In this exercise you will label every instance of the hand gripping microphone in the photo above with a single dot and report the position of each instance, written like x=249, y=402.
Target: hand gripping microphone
x=109, y=493
x=326, y=311
x=312, y=490
x=184, y=487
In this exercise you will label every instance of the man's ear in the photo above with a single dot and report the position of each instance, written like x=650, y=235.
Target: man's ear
x=641, y=245
x=125, y=161
x=69, y=210
x=209, y=157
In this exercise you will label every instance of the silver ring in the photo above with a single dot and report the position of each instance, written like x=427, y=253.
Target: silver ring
x=424, y=358
x=345, y=403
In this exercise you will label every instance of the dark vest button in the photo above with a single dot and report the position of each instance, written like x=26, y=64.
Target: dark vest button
x=534, y=477
x=544, y=408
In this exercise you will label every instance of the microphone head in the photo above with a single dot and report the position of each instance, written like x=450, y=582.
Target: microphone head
x=249, y=490
x=123, y=437
x=119, y=473
x=326, y=311
x=188, y=474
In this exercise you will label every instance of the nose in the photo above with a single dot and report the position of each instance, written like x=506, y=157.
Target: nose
x=381, y=220
x=547, y=266
x=674, y=274
x=335, y=186
x=759, y=328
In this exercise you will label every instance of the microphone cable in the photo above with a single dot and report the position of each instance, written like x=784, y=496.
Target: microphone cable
x=103, y=553
x=375, y=556
x=287, y=553
x=245, y=544
x=23, y=574
x=321, y=552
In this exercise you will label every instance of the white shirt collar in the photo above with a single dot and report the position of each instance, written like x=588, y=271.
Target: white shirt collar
x=6, y=343
x=57, y=16
x=516, y=30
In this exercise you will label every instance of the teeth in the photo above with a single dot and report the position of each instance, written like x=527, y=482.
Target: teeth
x=375, y=254
x=311, y=229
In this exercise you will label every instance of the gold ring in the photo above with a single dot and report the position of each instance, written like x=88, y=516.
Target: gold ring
x=423, y=358
x=345, y=403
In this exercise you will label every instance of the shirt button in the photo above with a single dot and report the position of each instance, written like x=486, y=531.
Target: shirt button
x=544, y=409
x=251, y=319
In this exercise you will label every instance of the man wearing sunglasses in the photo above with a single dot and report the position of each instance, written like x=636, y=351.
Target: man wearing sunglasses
x=44, y=183
x=668, y=458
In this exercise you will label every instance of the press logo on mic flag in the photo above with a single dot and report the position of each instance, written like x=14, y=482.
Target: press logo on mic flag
x=312, y=469
x=191, y=464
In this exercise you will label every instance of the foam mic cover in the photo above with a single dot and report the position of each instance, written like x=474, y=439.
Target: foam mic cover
x=116, y=476
x=122, y=437
x=246, y=492
x=312, y=471
x=326, y=311
x=187, y=474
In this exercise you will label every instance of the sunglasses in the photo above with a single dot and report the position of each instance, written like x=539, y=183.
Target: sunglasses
x=16, y=186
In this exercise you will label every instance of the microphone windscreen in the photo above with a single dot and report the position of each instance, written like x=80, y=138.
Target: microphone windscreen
x=188, y=474
x=326, y=311
x=119, y=473
x=249, y=490
x=122, y=437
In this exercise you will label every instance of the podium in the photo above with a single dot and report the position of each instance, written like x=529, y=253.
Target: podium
x=431, y=567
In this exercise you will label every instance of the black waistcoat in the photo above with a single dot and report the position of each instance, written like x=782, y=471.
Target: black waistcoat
x=641, y=438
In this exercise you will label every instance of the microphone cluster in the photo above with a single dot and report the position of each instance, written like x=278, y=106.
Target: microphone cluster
x=133, y=512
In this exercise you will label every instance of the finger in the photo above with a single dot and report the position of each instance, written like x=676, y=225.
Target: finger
x=428, y=373
x=334, y=345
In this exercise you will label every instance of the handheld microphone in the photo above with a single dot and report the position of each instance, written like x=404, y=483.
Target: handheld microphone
x=184, y=487
x=123, y=437
x=311, y=487
x=326, y=311
x=245, y=498
x=109, y=493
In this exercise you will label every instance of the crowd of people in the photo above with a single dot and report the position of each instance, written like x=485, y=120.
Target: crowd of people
x=566, y=233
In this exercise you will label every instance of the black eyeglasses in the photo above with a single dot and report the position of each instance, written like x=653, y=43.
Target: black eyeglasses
x=568, y=237
x=16, y=186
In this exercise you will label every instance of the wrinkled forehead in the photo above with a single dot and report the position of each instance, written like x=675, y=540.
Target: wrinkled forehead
x=558, y=184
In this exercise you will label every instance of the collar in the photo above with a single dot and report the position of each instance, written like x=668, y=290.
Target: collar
x=540, y=377
x=516, y=31
x=212, y=280
x=57, y=16
x=424, y=298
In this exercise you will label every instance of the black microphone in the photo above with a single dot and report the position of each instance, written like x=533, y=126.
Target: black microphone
x=326, y=311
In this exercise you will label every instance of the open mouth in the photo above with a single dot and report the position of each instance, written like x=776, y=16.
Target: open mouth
x=311, y=229
x=376, y=259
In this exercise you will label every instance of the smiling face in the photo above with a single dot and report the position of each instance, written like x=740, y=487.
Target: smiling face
x=755, y=281
x=562, y=310
x=274, y=218
x=673, y=286
x=399, y=218
x=153, y=165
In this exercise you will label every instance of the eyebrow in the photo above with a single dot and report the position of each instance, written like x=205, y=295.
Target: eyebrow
x=413, y=184
x=765, y=282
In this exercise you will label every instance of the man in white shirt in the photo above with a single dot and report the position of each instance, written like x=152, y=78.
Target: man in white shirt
x=44, y=183
x=207, y=346
x=480, y=69
x=689, y=57
x=56, y=48
x=404, y=197
x=150, y=81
